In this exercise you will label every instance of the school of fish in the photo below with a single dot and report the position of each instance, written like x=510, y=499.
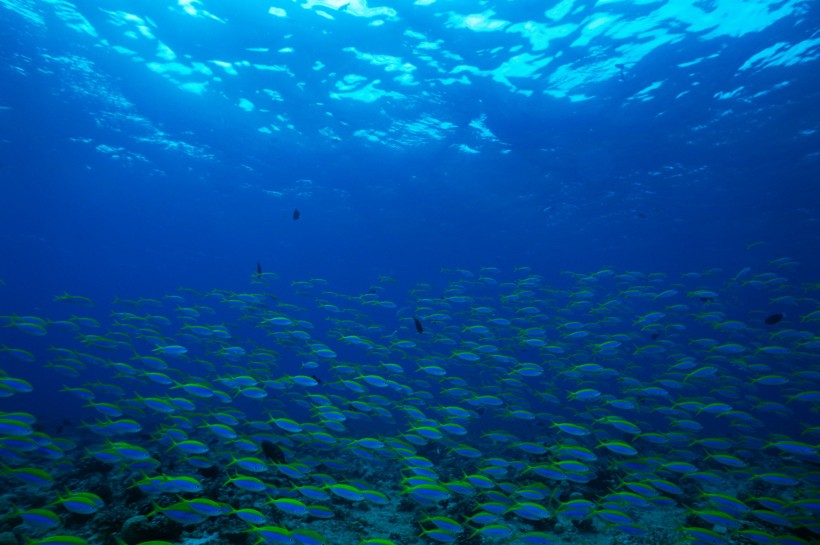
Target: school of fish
x=492, y=408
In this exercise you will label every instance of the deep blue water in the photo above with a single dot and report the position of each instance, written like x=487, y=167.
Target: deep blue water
x=153, y=147
x=659, y=183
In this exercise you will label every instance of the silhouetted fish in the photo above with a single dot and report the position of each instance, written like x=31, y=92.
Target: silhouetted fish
x=296, y=214
x=258, y=269
x=774, y=318
x=273, y=452
x=419, y=327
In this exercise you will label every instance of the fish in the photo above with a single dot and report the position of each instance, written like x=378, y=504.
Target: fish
x=296, y=214
x=654, y=424
x=273, y=452
x=774, y=318
x=258, y=268
x=75, y=300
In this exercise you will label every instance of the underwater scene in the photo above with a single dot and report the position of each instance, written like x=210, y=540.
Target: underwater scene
x=363, y=272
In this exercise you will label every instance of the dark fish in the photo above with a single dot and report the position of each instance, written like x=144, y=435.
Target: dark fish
x=273, y=452
x=258, y=269
x=419, y=327
x=774, y=318
x=296, y=214
x=314, y=377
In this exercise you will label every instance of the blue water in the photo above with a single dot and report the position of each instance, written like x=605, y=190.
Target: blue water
x=433, y=149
